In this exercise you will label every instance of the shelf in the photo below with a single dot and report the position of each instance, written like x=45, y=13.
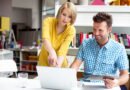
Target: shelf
x=28, y=71
x=14, y=49
x=92, y=8
x=96, y=8
x=80, y=70
x=29, y=50
x=120, y=14
x=72, y=51
x=128, y=51
x=75, y=50
x=30, y=61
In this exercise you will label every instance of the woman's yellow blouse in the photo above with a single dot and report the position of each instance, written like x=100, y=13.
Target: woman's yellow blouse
x=60, y=42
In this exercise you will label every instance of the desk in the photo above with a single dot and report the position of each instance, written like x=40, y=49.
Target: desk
x=34, y=84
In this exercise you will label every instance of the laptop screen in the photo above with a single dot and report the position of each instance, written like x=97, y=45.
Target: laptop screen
x=57, y=78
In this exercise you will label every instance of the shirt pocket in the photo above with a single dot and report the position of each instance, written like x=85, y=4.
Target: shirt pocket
x=107, y=66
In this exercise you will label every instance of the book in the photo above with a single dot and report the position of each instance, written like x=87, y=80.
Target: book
x=125, y=40
x=81, y=37
x=121, y=40
x=77, y=40
x=97, y=2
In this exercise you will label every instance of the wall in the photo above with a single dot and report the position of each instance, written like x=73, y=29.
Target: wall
x=5, y=8
x=22, y=16
x=30, y=4
x=28, y=37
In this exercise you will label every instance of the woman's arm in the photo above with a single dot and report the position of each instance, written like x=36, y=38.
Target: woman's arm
x=60, y=61
x=52, y=58
x=46, y=41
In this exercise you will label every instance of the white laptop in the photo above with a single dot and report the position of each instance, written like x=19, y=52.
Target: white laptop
x=57, y=78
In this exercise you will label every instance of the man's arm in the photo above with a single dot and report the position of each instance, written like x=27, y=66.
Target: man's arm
x=76, y=64
x=123, y=78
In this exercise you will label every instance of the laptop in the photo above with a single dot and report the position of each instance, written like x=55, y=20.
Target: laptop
x=57, y=78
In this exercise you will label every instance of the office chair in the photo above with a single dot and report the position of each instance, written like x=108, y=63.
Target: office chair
x=7, y=66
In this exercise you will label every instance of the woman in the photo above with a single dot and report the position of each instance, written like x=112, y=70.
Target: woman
x=57, y=34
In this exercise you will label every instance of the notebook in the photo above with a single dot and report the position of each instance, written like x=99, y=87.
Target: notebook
x=96, y=80
x=57, y=78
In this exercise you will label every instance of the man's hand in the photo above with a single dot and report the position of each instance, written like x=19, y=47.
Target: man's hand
x=110, y=83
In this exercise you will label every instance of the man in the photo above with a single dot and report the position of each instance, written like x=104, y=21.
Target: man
x=102, y=55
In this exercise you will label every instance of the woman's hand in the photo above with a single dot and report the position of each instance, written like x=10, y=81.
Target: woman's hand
x=52, y=58
x=59, y=61
x=109, y=83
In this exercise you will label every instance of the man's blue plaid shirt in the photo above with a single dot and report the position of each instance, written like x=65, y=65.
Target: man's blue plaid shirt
x=106, y=60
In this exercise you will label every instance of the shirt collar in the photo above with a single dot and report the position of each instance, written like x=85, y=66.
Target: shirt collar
x=107, y=45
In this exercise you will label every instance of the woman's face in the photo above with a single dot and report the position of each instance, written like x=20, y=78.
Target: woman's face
x=65, y=17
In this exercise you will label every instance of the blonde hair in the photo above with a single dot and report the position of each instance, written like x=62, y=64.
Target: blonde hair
x=72, y=8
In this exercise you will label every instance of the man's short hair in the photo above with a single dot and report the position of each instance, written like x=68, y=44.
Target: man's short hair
x=103, y=17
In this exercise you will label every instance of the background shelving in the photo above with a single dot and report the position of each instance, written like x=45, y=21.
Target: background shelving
x=84, y=21
x=28, y=59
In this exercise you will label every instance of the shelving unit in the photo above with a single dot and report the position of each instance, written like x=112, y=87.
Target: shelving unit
x=85, y=13
x=28, y=59
x=25, y=58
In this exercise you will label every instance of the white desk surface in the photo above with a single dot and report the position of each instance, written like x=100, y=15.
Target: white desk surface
x=34, y=84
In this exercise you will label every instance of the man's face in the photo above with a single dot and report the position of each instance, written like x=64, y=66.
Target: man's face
x=101, y=32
